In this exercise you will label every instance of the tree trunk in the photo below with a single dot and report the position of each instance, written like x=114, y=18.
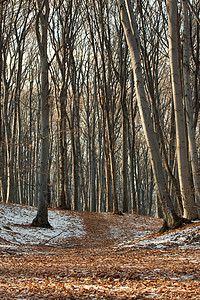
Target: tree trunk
x=64, y=182
x=41, y=219
x=184, y=170
x=131, y=140
x=125, y=162
x=74, y=173
x=1, y=123
x=132, y=37
x=188, y=103
x=107, y=168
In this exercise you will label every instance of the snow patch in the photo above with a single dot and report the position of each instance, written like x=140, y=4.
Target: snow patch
x=15, y=221
x=184, y=239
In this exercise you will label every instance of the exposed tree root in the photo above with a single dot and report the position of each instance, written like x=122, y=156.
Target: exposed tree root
x=179, y=223
x=37, y=222
x=64, y=207
x=119, y=213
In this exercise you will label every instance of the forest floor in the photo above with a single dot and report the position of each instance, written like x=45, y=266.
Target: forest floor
x=96, y=256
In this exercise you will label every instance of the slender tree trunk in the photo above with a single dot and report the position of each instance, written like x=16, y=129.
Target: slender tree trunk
x=62, y=164
x=82, y=180
x=19, y=157
x=74, y=173
x=93, y=164
x=131, y=139
x=150, y=194
x=64, y=182
x=37, y=146
x=107, y=168
x=125, y=160
x=91, y=154
x=100, y=165
x=10, y=157
x=30, y=150
x=196, y=74
x=124, y=136
x=19, y=148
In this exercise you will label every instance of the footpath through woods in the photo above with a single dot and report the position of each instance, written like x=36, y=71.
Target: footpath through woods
x=112, y=257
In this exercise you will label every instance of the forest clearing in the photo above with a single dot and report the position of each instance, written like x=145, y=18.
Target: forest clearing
x=96, y=256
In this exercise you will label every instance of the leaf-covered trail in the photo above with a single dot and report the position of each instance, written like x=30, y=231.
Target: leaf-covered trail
x=103, y=230
x=105, y=263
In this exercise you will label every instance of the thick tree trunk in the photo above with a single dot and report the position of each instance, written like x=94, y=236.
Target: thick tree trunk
x=188, y=103
x=41, y=219
x=184, y=170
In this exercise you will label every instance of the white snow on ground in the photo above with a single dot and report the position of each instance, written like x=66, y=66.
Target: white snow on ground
x=14, y=217
x=183, y=238
x=14, y=221
x=135, y=229
x=179, y=238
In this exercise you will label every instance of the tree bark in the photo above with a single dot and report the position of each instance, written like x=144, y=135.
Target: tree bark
x=188, y=104
x=1, y=123
x=132, y=37
x=41, y=219
x=184, y=170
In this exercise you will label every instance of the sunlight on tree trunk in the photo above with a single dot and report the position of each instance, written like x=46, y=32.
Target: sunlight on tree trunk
x=184, y=170
x=132, y=36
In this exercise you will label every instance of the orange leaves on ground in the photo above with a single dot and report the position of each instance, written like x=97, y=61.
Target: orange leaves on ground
x=94, y=268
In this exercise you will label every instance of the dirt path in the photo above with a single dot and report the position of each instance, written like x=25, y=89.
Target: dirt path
x=97, y=229
x=106, y=229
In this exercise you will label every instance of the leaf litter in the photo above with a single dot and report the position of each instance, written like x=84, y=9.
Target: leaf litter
x=96, y=256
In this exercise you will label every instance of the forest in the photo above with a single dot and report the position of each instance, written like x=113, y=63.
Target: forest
x=99, y=143
x=99, y=107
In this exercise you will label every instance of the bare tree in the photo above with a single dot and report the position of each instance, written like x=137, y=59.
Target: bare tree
x=132, y=36
x=184, y=170
x=41, y=218
x=189, y=104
